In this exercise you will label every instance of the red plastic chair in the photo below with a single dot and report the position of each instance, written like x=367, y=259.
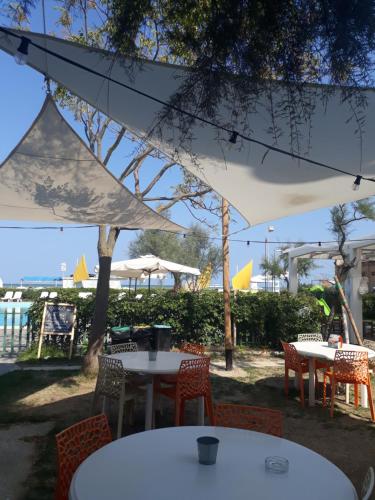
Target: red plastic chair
x=349, y=367
x=74, y=445
x=293, y=361
x=252, y=418
x=193, y=381
x=189, y=348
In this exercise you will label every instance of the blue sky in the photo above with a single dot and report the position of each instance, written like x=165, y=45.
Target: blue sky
x=31, y=252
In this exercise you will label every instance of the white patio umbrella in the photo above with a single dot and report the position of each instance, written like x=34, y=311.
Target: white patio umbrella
x=149, y=266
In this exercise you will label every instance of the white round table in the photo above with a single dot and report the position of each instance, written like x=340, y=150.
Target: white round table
x=166, y=363
x=163, y=465
x=320, y=350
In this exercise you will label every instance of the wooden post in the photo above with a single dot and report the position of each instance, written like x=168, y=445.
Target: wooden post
x=226, y=286
x=347, y=309
x=40, y=341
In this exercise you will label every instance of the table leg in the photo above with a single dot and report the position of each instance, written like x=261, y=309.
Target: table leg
x=311, y=381
x=364, y=399
x=296, y=381
x=200, y=411
x=149, y=404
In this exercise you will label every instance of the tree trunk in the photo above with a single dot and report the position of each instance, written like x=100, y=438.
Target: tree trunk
x=99, y=322
x=226, y=287
x=177, y=282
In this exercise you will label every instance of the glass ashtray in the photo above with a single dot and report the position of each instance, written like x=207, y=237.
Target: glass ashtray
x=278, y=465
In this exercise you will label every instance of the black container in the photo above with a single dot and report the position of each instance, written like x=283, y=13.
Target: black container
x=162, y=337
x=121, y=334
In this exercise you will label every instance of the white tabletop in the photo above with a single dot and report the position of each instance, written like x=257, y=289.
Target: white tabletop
x=167, y=362
x=163, y=465
x=322, y=351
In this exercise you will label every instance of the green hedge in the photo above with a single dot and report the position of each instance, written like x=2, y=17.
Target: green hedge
x=262, y=318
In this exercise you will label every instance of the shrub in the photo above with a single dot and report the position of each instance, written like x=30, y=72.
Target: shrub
x=262, y=318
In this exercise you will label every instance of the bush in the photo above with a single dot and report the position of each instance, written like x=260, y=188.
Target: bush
x=262, y=318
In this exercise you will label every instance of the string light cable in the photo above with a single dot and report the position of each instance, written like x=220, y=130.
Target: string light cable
x=198, y=235
x=233, y=134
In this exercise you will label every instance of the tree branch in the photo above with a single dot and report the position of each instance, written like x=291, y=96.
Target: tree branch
x=157, y=177
x=180, y=197
x=114, y=145
x=128, y=170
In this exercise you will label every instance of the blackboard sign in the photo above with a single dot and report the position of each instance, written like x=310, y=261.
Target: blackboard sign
x=58, y=319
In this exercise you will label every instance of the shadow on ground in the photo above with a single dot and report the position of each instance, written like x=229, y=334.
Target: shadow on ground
x=62, y=398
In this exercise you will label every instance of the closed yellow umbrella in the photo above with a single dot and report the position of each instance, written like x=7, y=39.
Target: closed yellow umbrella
x=80, y=272
x=205, y=278
x=241, y=281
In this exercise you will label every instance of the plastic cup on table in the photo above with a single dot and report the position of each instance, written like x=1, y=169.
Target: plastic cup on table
x=207, y=450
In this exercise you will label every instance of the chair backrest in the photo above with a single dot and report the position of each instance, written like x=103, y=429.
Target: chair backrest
x=190, y=348
x=74, y=445
x=8, y=295
x=111, y=377
x=84, y=295
x=193, y=379
x=139, y=296
x=125, y=347
x=17, y=295
x=252, y=418
x=292, y=358
x=368, y=484
x=53, y=295
x=310, y=337
x=351, y=367
x=44, y=295
x=370, y=344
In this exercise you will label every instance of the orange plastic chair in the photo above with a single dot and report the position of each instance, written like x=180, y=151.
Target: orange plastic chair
x=193, y=381
x=349, y=367
x=190, y=348
x=293, y=361
x=252, y=418
x=74, y=445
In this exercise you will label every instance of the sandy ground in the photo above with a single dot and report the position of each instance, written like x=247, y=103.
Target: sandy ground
x=347, y=440
x=18, y=446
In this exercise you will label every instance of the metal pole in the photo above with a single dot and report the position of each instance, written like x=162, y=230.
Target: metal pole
x=266, y=262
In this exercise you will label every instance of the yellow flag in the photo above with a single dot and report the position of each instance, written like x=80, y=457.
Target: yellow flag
x=205, y=278
x=80, y=272
x=241, y=281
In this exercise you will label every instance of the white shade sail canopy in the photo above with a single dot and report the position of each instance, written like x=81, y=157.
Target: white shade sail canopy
x=52, y=176
x=146, y=265
x=261, y=186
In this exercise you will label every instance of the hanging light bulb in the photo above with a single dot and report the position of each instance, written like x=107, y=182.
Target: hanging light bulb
x=233, y=137
x=248, y=243
x=22, y=52
x=357, y=183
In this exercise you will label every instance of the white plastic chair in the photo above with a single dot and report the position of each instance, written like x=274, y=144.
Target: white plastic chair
x=17, y=296
x=125, y=347
x=53, y=295
x=111, y=384
x=44, y=295
x=84, y=295
x=8, y=296
x=139, y=296
x=121, y=295
x=368, y=484
x=310, y=337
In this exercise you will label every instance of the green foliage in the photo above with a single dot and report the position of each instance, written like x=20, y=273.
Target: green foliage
x=267, y=318
x=262, y=318
x=369, y=306
x=341, y=224
x=194, y=250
